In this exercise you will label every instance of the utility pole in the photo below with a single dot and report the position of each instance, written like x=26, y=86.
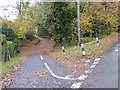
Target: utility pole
x=78, y=14
x=80, y=39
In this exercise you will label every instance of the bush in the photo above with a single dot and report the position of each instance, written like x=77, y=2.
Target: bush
x=3, y=42
x=3, y=39
x=11, y=47
x=10, y=35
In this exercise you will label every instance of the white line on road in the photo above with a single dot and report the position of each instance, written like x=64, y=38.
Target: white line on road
x=116, y=50
x=76, y=85
x=92, y=66
x=96, y=62
x=82, y=77
x=87, y=61
x=68, y=77
x=89, y=71
x=97, y=59
x=41, y=57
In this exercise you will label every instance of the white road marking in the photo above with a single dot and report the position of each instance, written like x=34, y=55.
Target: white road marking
x=76, y=85
x=68, y=77
x=96, y=62
x=92, y=66
x=89, y=71
x=82, y=77
x=87, y=61
x=41, y=57
x=116, y=50
x=97, y=59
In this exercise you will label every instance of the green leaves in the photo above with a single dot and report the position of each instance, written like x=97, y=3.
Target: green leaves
x=59, y=20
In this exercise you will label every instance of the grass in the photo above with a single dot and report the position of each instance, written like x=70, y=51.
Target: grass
x=7, y=67
x=91, y=48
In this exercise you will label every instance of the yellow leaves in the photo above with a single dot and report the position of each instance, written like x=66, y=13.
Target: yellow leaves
x=85, y=22
x=19, y=28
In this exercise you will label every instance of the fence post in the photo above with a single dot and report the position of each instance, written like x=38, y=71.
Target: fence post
x=7, y=58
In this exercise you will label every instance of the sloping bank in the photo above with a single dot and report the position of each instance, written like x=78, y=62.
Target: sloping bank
x=74, y=53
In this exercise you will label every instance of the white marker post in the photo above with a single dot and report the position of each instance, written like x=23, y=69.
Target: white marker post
x=83, y=50
x=63, y=49
x=97, y=40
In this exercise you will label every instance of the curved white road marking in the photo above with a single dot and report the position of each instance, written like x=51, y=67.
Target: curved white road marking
x=82, y=77
x=76, y=85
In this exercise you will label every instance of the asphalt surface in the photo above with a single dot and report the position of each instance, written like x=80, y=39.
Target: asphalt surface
x=42, y=71
x=34, y=74
x=28, y=78
x=105, y=75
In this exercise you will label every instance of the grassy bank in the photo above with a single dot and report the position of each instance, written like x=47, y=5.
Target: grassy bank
x=91, y=48
x=8, y=66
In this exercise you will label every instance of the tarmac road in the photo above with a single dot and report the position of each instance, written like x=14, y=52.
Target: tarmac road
x=35, y=73
x=105, y=75
x=42, y=71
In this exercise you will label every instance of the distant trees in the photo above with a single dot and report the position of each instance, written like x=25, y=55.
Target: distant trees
x=63, y=20
x=59, y=20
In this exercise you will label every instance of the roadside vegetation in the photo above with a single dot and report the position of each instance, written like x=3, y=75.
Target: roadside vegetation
x=58, y=20
x=74, y=53
x=13, y=57
x=7, y=67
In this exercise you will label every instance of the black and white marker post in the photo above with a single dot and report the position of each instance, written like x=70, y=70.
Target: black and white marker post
x=63, y=49
x=97, y=40
x=82, y=46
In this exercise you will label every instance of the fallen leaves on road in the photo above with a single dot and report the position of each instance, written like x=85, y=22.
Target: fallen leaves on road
x=41, y=72
x=77, y=69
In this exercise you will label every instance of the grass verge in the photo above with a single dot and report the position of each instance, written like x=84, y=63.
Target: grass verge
x=7, y=67
x=92, y=50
